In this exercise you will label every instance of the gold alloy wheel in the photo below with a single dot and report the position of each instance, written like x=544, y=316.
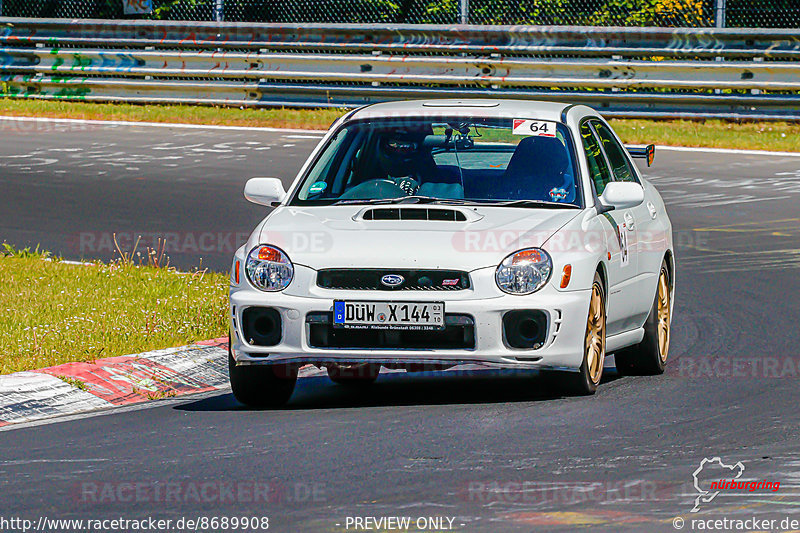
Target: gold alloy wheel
x=664, y=317
x=596, y=335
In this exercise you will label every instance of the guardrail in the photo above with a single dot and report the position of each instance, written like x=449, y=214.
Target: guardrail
x=645, y=72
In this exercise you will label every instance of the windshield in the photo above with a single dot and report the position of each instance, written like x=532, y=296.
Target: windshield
x=519, y=162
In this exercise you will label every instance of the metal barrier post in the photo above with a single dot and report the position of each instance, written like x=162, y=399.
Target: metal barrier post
x=719, y=20
x=464, y=11
x=219, y=10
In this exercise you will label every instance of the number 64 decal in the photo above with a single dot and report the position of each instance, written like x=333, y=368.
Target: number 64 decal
x=539, y=128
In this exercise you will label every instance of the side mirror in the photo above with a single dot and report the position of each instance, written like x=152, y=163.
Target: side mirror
x=622, y=195
x=265, y=191
x=648, y=153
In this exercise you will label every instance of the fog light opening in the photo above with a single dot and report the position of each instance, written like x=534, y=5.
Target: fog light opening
x=525, y=329
x=264, y=325
x=528, y=329
x=261, y=326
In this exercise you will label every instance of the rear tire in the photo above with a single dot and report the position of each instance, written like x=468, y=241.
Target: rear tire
x=354, y=375
x=261, y=386
x=585, y=381
x=649, y=357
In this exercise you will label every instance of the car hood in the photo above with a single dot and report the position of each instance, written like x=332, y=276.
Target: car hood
x=343, y=236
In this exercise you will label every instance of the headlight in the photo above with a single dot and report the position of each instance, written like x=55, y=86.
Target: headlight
x=268, y=268
x=524, y=272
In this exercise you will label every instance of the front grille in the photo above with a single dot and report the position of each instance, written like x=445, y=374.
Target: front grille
x=458, y=334
x=413, y=280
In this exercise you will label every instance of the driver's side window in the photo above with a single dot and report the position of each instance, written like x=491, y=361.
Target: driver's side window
x=598, y=169
x=622, y=168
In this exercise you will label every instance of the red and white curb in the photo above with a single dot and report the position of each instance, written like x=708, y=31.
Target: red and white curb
x=116, y=381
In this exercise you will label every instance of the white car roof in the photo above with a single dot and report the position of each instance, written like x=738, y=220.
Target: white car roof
x=464, y=107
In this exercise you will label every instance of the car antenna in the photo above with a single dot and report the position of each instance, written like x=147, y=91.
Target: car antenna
x=449, y=133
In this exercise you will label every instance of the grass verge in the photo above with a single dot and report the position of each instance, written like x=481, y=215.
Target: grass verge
x=53, y=313
x=313, y=119
x=775, y=136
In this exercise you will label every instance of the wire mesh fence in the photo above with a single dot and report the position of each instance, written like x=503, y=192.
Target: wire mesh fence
x=662, y=13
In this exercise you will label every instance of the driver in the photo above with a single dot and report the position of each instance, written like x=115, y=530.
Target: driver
x=401, y=158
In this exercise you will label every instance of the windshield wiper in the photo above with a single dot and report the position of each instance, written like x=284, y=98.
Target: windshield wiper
x=455, y=201
x=366, y=201
x=529, y=203
x=400, y=200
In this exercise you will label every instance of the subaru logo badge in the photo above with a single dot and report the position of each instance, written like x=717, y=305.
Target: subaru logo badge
x=392, y=280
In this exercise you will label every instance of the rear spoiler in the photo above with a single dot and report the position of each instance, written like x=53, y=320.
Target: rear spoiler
x=648, y=152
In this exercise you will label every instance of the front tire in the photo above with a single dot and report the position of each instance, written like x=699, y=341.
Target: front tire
x=649, y=357
x=261, y=386
x=585, y=381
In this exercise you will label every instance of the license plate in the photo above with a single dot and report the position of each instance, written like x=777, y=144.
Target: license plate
x=388, y=315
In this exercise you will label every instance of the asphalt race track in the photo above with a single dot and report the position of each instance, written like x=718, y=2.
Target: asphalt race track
x=70, y=187
x=494, y=451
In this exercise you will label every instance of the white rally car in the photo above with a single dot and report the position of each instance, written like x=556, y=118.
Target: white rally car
x=428, y=234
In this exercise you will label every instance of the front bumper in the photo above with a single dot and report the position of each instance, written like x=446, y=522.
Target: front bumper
x=562, y=347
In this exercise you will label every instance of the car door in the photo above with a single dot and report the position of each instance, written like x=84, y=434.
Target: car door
x=621, y=267
x=636, y=223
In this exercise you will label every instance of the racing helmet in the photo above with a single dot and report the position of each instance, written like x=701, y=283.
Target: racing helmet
x=398, y=153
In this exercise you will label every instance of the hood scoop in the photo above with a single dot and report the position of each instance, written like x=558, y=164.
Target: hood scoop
x=432, y=214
